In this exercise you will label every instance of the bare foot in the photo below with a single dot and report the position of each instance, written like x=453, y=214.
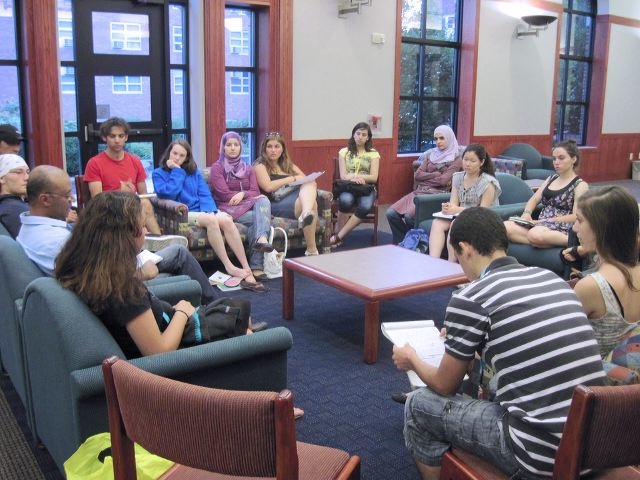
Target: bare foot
x=297, y=413
x=250, y=278
x=236, y=272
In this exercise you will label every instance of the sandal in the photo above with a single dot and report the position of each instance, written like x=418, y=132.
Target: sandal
x=297, y=413
x=254, y=287
x=335, y=240
x=261, y=277
x=233, y=282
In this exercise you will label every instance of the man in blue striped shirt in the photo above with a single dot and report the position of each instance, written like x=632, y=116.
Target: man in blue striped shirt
x=529, y=328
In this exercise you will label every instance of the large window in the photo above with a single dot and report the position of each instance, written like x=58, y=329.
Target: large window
x=574, y=74
x=240, y=84
x=10, y=99
x=428, y=71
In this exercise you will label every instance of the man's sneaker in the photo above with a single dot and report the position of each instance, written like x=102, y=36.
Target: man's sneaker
x=154, y=243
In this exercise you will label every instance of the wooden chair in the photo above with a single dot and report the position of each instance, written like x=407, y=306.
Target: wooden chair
x=601, y=434
x=372, y=217
x=206, y=430
x=82, y=192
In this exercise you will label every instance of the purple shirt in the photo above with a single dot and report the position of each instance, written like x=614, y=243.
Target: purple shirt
x=224, y=187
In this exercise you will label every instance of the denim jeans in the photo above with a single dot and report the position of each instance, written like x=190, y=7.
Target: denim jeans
x=258, y=222
x=433, y=423
x=363, y=205
x=177, y=260
x=399, y=224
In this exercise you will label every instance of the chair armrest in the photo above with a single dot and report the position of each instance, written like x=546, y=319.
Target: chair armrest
x=427, y=205
x=173, y=292
x=199, y=365
x=170, y=214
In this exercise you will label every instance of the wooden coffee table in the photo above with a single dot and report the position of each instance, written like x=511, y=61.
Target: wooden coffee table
x=372, y=274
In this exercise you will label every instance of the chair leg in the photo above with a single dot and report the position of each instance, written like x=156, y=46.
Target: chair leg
x=375, y=225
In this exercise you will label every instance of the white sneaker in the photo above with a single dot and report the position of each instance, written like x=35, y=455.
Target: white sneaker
x=154, y=243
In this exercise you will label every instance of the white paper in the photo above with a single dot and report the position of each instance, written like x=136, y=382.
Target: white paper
x=219, y=277
x=423, y=336
x=145, y=255
x=309, y=178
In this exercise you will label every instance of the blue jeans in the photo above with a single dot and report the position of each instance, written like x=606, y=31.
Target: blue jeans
x=258, y=222
x=399, y=224
x=363, y=205
x=434, y=423
x=177, y=260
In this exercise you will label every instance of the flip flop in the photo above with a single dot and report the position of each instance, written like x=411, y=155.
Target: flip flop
x=297, y=413
x=261, y=277
x=233, y=282
x=254, y=287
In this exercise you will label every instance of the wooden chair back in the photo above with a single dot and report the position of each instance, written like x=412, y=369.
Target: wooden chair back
x=82, y=192
x=372, y=217
x=601, y=432
x=247, y=434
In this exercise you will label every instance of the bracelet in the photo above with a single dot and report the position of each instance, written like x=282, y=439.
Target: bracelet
x=183, y=312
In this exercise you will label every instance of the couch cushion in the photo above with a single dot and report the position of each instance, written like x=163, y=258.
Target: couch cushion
x=514, y=189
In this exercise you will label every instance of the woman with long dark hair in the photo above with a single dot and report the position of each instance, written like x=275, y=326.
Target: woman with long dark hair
x=98, y=263
x=607, y=225
x=358, y=163
x=475, y=186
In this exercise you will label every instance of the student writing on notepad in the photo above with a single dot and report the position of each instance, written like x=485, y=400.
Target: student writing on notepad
x=474, y=186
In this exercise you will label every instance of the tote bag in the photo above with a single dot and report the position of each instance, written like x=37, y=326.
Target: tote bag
x=274, y=259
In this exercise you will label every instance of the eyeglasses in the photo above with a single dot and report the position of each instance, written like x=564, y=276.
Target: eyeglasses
x=68, y=196
x=272, y=134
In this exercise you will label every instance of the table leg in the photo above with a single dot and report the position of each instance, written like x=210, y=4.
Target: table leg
x=371, y=329
x=287, y=293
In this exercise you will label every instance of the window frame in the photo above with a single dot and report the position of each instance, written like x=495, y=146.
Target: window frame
x=131, y=41
x=128, y=85
x=565, y=61
x=248, y=42
x=419, y=98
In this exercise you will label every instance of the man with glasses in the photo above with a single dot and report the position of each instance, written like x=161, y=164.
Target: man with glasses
x=14, y=173
x=10, y=139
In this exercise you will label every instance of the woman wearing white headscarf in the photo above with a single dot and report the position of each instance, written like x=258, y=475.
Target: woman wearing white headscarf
x=433, y=176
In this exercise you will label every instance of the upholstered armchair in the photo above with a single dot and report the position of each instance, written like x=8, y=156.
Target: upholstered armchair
x=65, y=344
x=172, y=217
x=536, y=165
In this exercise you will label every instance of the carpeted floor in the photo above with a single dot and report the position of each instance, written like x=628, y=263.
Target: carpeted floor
x=347, y=402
